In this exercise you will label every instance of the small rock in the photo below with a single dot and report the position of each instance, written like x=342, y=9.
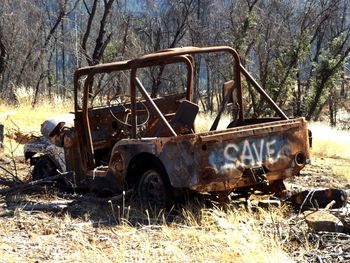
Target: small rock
x=323, y=221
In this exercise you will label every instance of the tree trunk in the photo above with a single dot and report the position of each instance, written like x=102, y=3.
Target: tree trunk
x=100, y=43
x=316, y=99
x=332, y=105
x=63, y=57
x=3, y=54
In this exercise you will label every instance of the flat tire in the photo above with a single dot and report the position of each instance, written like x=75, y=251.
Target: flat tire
x=154, y=190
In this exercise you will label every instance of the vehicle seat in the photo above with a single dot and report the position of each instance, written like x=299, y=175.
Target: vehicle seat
x=183, y=120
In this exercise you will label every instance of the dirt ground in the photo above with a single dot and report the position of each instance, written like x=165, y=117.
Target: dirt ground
x=84, y=228
x=324, y=172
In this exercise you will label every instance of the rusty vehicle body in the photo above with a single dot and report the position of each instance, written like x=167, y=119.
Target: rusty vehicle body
x=150, y=144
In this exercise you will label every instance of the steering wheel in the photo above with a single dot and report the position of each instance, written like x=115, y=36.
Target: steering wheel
x=124, y=102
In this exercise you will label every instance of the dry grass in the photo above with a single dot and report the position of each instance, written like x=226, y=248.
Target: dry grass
x=204, y=121
x=26, y=121
x=343, y=170
x=329, y=142
x=210, y=235
x=334, y=143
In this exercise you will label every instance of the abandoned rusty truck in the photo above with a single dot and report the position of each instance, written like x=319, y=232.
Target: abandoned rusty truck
x=133, y=128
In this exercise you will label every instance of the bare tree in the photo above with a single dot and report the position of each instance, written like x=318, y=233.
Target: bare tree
x=101, y=40
x=166, y=29
x=3, y=53
x=62, y=12
x=295, y=49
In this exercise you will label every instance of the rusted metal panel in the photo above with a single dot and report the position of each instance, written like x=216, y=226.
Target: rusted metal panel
x=218, y=162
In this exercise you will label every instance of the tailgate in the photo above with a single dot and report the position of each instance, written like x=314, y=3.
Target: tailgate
x=240, y=157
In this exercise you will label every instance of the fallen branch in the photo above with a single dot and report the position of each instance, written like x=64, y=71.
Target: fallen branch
x=96, y=199
x=7, y=182
x=29, y=185
x=11, y=174
x=53, y=206
x=59, y=205
x=6, y=114
x=99, y=200
x=330, y=205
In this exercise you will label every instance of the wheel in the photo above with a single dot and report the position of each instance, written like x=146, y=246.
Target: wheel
x=154, y=190
x=44, y=167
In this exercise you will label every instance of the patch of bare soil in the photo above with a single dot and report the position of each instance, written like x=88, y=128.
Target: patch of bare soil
x=45, y=224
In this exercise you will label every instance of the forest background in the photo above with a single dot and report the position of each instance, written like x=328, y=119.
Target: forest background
x=297, y=50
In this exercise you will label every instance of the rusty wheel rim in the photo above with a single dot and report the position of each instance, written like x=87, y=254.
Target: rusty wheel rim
x=152, y=189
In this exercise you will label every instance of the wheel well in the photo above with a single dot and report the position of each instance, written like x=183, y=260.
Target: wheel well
x=142, y=163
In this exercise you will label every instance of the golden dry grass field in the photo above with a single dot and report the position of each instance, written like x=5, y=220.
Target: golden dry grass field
x=195, y=232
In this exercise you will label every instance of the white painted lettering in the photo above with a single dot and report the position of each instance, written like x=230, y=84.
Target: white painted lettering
x=270, y=150
x=259, y=154
x=247, y=154
x=230, y=152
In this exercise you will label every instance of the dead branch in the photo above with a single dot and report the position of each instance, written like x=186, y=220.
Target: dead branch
x=100, y=200
x=53, y=206
x=11, y=174
x=56, y=205
x=6, y=114
x=7, y=182
x=330, y=205
x=29, y=185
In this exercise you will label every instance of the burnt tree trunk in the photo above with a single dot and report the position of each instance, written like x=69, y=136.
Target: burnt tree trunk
x=3, y=55
x=101, y=41
x=333, y=109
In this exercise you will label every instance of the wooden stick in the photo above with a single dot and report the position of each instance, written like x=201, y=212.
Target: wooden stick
x=53, y=206
x=26, y=186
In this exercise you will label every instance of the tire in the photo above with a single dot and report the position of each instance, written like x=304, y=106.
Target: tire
x=44, y=167
x=154, y=190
